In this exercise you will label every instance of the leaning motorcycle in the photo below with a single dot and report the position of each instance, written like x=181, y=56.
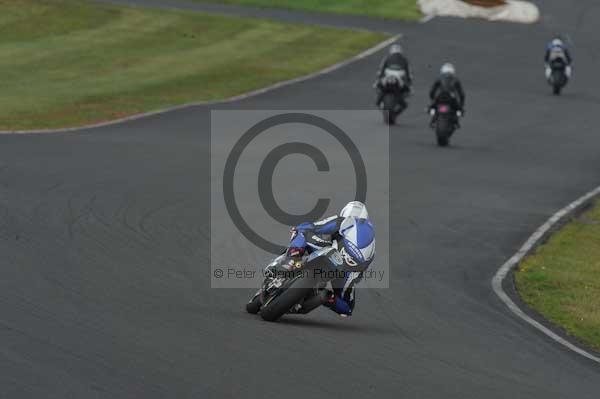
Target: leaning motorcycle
x=444, y=122
x=394, y=87
x=558, y=76
x=296, y=285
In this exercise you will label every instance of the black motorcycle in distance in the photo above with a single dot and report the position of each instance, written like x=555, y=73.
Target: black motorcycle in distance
x=444, y=121
x=395, y=89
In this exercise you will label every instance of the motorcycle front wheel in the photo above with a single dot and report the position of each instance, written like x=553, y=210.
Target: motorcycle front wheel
x=558, y=82
x=296, y=291
x=253, y=306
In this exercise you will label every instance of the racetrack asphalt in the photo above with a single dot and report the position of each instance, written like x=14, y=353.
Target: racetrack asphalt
x=104, y=284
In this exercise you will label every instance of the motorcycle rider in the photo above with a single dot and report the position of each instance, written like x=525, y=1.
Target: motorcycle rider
x=447, y=87
x=557, y=50
x=352, y=234
x=394, y=60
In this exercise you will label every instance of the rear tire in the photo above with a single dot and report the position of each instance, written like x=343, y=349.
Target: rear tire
x=389, y=103
x=556, y=90
x=387, y=117
x=281, y=304
x=443, y=131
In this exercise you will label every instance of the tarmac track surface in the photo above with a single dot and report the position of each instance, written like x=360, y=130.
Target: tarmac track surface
x=104, y=284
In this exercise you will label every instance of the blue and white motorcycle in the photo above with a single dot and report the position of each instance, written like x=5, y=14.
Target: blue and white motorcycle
x=296, y=284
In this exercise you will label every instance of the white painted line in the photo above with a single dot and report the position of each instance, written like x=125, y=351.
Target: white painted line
x=239, y=97
x=529, y=245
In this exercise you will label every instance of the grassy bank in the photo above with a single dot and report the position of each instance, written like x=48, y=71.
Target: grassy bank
x=397, y=9
x=68, y=62
x=562, y=278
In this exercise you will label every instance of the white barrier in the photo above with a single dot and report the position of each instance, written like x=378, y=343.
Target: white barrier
x=512, y=11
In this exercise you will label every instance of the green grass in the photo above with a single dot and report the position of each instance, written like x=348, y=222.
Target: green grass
x=68, y=62
x=396, y=9
x=562, y=278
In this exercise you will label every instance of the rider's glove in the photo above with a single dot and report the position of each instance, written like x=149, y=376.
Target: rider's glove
x=295, y=251
x=297, y=244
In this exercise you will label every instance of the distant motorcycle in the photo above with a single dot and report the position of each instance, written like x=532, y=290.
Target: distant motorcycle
x=296, y=285
x=558, y=77
x=394, y=87
x=444, y=121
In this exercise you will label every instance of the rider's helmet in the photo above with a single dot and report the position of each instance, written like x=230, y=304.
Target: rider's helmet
x=556, y=42
x=396, y=49
x=447, y=69
x=355, y=209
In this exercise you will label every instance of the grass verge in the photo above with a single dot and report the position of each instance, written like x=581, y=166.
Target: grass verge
x=69, y=63
x=396, y=9
x=561, y=279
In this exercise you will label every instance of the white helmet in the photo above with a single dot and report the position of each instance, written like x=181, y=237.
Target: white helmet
x=447, y=69
x=355, y=209
x=557, y=43
x=396, y=49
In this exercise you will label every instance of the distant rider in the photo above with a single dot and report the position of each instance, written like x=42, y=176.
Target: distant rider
x=557, y=50
x=447, y=87
x=394, y=60
x=352, y=234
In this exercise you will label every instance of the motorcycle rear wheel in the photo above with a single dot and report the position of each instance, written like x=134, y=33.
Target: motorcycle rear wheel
x=443, y=131
x=389, y=103
x=556, y=90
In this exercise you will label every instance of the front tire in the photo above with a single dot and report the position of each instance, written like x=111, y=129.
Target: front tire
x=253, y=306
x=559, y=80
x=297, y=290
